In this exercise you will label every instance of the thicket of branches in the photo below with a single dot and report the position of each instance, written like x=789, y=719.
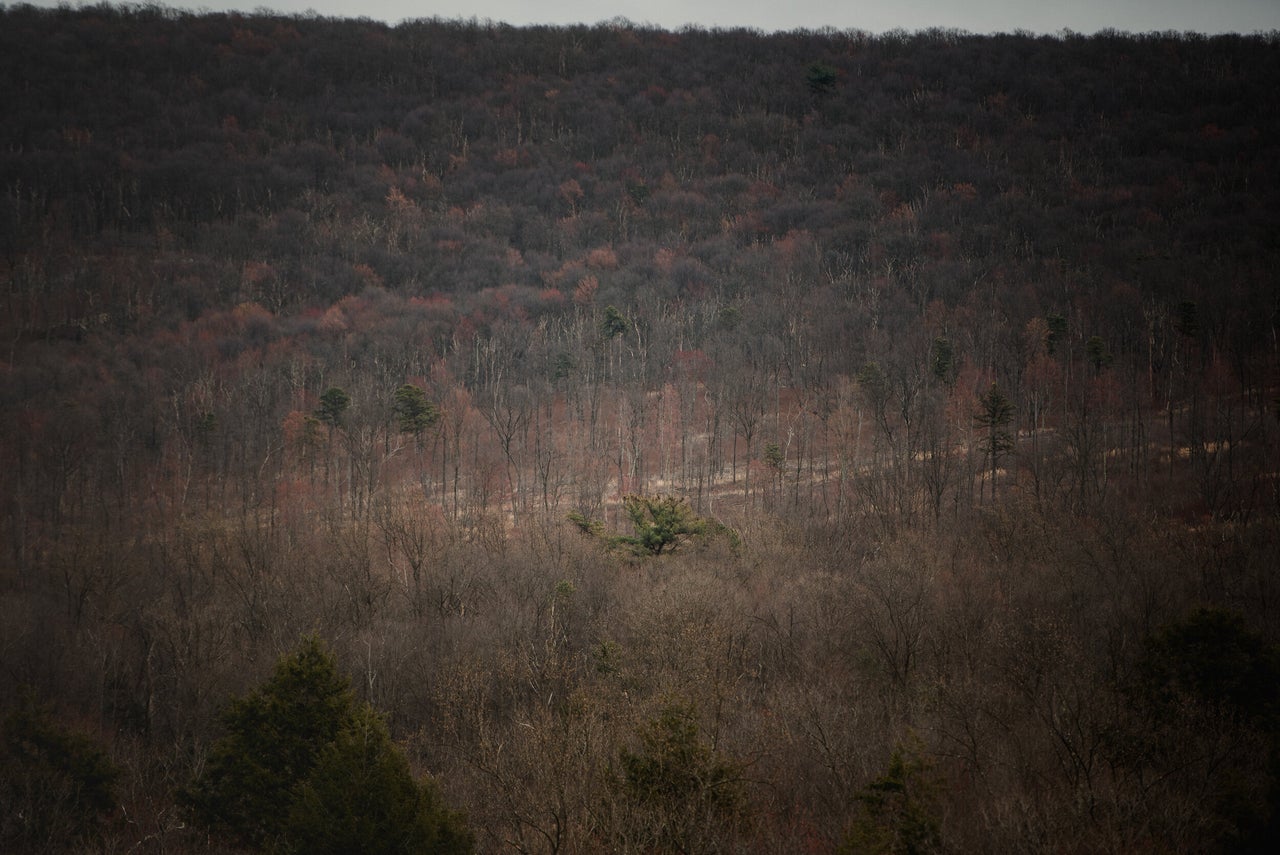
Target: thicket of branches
x=948, y=364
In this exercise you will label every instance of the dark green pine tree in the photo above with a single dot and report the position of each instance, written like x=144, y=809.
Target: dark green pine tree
x=274, y=738
x=362, y=798
x=1058, y=328
x=56, y=786
x=683, y=795
x=995, y=414
x=614, y=323
x=1210, y=676
x=661, y=524
x=942, y=361
x=414, y=413
x=1099, y=357
x=334, y=403
x=306, y=767
x=821, y=78
x=898, y=812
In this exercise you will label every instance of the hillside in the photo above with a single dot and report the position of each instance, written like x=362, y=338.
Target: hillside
x=960, y=351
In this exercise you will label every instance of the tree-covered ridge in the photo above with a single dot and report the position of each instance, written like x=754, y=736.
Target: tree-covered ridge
x=426, y=152
x=918, y=392
x=198, y=203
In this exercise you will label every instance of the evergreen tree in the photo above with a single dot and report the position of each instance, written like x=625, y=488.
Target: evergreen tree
x=994, y=417
x=898, y=811
x=1057, y=332
x=821, y=78
x=942, y=360
x=274, y=738
x=661, y=524
x=56, y=787
x=1099, y=357
x=414, y=413
x=614, y=323
x=362, y=798
x=305, y=767
x=333, y=404
x=1205, y=700
x=684, y=796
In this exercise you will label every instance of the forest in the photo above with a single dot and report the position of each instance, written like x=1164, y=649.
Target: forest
x=454, y=437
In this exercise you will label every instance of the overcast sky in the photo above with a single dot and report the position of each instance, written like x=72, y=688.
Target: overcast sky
x=978, y=16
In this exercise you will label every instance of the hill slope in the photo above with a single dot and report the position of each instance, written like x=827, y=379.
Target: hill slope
x=963, y=348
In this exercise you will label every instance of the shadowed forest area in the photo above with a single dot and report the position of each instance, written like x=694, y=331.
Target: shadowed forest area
x=454, y=437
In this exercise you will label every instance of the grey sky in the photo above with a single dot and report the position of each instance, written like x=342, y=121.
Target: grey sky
x=979, y=16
